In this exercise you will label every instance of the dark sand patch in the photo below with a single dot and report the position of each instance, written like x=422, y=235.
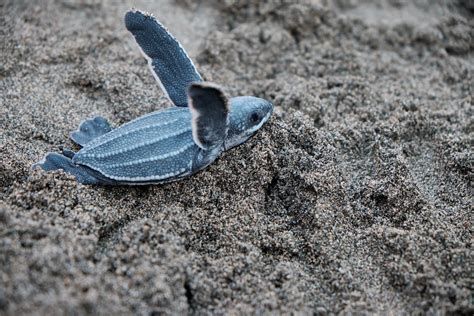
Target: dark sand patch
x=357, y=196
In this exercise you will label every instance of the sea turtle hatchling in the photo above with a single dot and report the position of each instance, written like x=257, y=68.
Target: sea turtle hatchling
x=166, y=145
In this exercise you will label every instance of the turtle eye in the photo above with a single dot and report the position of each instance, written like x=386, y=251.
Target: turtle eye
x=254, y=118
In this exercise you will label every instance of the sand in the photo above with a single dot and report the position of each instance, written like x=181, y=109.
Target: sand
x=355, y=197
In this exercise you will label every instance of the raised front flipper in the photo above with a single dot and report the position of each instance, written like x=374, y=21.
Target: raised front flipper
x=90, y=129
x=210, y=115
x=168, y=61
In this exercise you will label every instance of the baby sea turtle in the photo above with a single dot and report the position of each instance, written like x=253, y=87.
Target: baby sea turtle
x=166, y=145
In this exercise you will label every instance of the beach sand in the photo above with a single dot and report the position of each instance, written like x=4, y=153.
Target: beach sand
x=355, y=197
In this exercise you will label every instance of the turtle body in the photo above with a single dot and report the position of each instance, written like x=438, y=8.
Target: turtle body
x=166, y=145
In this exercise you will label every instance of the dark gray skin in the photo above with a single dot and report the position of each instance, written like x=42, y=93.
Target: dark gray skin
x=167, y=145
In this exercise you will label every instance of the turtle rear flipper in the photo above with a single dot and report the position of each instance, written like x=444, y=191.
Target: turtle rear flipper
x=55, y=161
x=168, y=61
x=90, y=129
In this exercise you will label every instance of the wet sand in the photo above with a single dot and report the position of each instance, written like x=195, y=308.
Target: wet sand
x=355, y=197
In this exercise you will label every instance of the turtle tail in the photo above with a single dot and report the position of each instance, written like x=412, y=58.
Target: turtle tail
x=56, y=161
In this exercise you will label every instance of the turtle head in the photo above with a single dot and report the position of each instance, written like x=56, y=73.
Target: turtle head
x=247, y=115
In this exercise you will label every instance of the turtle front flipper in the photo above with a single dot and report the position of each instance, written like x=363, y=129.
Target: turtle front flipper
x=55, y=161
x=168, y=61
x=210, y=115
x=90, y=129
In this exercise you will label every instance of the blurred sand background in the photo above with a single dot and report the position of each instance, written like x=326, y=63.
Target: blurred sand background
x=355, y=197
